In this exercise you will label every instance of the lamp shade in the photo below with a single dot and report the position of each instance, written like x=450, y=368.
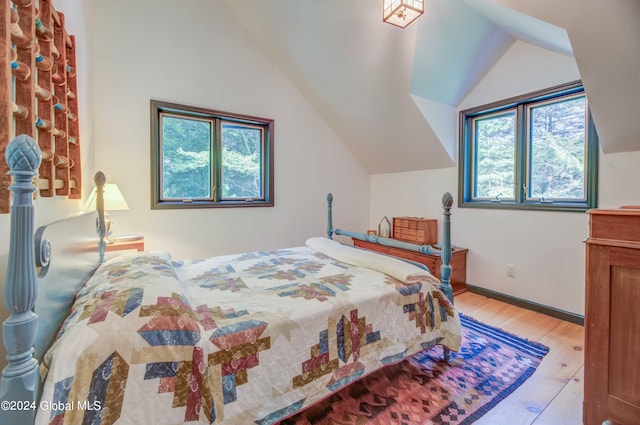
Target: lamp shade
x=401, y=12
x=113, y=199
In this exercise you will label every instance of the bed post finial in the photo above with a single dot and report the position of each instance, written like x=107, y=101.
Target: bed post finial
x=100, y=179
x=329, y=216
x=445, y=269
x=21, y=375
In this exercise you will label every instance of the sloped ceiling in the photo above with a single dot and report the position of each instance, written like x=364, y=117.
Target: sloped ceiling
x=391, y=94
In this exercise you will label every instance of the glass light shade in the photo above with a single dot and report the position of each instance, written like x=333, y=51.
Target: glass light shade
x=113, y=199
x=402, y=12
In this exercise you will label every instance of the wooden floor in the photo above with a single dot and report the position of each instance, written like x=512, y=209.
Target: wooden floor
x=553, y=394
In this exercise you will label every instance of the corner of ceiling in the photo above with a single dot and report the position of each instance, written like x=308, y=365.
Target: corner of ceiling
x=442, y=120
x=457, y=44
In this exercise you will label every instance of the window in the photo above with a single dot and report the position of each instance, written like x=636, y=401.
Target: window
x=537, y=151
x=206, y=158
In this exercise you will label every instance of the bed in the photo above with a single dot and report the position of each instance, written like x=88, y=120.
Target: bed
x=238, y=339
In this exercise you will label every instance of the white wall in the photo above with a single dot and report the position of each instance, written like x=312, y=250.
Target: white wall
x=546, y=247
x=52, y=209
x=199, y=55
x=196, y=55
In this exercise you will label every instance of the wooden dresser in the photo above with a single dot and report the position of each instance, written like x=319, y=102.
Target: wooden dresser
x=612, y=318
x=433, y=262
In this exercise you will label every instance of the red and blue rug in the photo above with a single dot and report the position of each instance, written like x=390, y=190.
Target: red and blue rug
x=426, y=390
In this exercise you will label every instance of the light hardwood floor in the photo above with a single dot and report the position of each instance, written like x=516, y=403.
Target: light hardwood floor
x=553, y=394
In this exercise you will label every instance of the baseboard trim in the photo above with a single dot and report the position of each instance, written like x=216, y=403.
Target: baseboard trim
x=529, y=305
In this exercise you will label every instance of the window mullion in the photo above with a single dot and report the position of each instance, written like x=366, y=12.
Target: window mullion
x=521, y=155
x=216, y=161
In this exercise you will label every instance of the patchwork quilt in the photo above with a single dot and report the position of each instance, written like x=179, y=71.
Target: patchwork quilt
x=241, y=339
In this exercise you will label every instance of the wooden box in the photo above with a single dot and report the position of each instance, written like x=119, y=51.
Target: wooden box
x=415, y=230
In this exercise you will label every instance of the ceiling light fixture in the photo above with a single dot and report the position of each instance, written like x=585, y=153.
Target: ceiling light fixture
x=401, y=12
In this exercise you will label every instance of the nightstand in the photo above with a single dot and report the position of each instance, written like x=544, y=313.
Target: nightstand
x=137, y=244
x=433, y=262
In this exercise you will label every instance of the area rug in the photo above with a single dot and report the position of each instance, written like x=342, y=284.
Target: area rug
x=426, y=390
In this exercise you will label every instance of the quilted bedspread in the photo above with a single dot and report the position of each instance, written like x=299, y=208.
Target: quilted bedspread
x=239, y=339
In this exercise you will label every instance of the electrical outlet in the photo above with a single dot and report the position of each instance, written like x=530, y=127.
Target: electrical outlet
x=511, y=270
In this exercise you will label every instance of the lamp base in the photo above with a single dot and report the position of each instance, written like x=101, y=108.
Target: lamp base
x=108, y=226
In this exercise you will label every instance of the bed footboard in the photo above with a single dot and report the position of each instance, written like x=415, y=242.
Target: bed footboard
x=444, y=252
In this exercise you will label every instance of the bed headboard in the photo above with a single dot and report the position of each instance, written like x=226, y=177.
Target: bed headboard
x=44, y=273
x=68, y=255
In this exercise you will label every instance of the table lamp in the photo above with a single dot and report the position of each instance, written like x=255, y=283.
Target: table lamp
x=113, y=201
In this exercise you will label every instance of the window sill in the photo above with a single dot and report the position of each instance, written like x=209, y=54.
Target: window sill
x=168, y=205
x=527, y=206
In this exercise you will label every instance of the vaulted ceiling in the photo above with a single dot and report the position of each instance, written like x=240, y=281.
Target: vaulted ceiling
x=391, y=94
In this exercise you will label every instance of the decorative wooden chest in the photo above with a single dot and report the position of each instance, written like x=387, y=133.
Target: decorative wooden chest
x=415, y=230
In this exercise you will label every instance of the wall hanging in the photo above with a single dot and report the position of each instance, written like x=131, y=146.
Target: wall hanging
x=38, y=95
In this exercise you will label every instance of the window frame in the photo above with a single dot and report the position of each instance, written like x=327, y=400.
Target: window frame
x=216, y=118
x=522, y=162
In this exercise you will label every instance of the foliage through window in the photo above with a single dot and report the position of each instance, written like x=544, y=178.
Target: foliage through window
x=206, y=158
x=537, y=151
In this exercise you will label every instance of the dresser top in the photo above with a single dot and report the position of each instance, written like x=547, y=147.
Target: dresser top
x=625, y=210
